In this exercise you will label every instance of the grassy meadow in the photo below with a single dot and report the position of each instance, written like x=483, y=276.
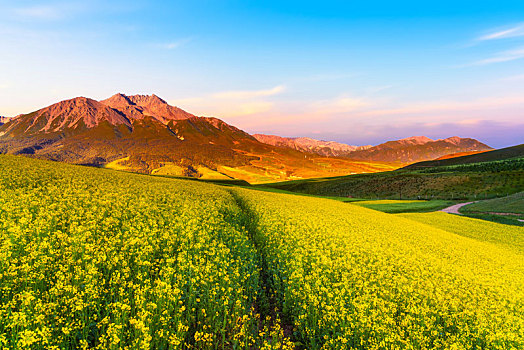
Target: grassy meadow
x=510, y=204
x=96, y=258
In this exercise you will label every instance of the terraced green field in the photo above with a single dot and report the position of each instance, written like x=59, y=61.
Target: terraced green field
x=96, y=258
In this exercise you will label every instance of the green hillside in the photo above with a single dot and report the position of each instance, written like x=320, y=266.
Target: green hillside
x=96, y=258
x=498, y=154
x=510, y=204
x=467, y=181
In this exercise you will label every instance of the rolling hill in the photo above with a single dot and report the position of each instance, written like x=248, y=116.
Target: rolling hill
x=143, y=133
x=494, y=155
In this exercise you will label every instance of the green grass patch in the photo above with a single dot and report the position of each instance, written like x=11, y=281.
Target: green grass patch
x=405, y=206
x=509, y=204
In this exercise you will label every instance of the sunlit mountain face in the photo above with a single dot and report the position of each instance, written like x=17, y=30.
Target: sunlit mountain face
x=144, y=133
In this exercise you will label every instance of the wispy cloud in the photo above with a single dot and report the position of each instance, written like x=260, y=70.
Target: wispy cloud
x=448, y=106
x=246, y=94
x=512, y=32
x=51, y=11
x=505, y=56
x=39, y=12
x=231, y=104
x=328, y=77
x=341, y=104
x=174, y=44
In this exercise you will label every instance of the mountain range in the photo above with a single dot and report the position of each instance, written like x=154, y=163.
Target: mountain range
x=418, y=148
x=143, y=133
x=408, y=150
x=306, y=144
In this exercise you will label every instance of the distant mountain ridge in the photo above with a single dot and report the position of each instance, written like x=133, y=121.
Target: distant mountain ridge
x=306, y=144
x=144, y=133
x=418, y=148
x=407, y=150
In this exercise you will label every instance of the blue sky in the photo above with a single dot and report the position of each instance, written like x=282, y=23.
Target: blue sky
x=360, y=72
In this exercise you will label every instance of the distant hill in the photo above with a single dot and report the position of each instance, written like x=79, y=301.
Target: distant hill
x=306, y=144
x=499, y=154
x=459, y=154
x=143, y=133
x=418, y=148
x=408, y=150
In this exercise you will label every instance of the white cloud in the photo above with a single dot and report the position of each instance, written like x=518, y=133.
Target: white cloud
x=246, y=94
x=52, y=11
x=513, y=32
x=342, y=104
x=505, y=56
x=39, y=12
x=174, y=44
x=231, y=104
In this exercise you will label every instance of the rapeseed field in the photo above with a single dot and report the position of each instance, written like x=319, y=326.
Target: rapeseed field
x=94, y=258
x=349, y=277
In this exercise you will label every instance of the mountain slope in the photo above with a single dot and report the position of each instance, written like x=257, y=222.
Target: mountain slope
x=74, y=115
x=408, y=150
x=306, y=144
x=144, y=133
x=140, y=106
x=415, y=149
x=4, y=120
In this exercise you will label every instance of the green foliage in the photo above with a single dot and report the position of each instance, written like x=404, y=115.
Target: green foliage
x=513, y=164
x=495, y=155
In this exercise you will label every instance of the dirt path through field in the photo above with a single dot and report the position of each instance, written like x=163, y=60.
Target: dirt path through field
x=454, y=209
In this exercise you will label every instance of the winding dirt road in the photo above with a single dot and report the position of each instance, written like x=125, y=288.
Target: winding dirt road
x=454, y=209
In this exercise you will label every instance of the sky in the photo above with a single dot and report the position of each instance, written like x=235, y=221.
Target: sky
x=358, y=72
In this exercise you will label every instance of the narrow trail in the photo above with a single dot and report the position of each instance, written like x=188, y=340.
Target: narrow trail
x=266, y=304
x=454, y=209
